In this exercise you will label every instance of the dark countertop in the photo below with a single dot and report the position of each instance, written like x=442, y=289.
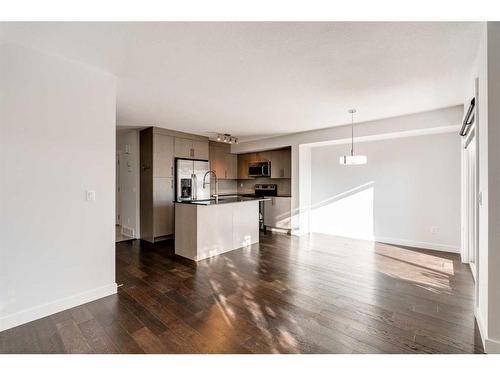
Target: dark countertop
x=277, y=196
x=224, y=200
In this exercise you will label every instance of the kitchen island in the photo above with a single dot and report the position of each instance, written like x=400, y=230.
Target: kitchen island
x=207, y=228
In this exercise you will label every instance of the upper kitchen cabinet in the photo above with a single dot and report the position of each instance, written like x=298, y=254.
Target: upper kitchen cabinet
x=231, y=162
x=243, y=161
x=183, y=148
x=163, y=155
x=191, y=149
x=200, y=150
x=281, y=163
x=222, y=162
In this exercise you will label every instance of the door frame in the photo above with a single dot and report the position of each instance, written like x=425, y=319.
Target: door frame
x=471, y=201
x=117, y=189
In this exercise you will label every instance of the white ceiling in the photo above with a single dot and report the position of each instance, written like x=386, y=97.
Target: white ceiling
x=262, y=79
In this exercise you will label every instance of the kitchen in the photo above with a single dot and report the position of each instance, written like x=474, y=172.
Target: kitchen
x=182, y=175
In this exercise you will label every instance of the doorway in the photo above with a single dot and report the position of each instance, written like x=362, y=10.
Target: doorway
x=127, y=185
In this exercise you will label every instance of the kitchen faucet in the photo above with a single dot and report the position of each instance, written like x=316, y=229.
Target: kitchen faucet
x=216, y=195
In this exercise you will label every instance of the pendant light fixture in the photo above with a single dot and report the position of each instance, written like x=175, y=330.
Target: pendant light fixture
x=352, y=159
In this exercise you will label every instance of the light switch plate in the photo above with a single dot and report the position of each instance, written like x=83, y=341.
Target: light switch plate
x=90, y=195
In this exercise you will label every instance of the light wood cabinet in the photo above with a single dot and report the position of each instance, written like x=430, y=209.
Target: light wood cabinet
x=200, y=150
x=281, y=163
x=157, y=185
x=190, y=149
x=231, y=170
x=278, y=213
x=243, y=161
x=183, y=148
x=158, y=150
x=222, y=162
x=163, y=156
x=163, y=206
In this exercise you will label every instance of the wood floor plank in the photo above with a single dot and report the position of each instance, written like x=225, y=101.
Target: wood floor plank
x=48, y=336
x=286, y=294
x=73, y=339
x=97, y=338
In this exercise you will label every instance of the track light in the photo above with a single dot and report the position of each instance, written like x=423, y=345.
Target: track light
x=226, y=138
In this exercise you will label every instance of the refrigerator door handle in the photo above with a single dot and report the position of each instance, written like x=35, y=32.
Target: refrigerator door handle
x=195, y=187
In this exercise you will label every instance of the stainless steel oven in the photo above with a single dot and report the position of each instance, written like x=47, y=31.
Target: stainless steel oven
x=259, y=169
x=264, y=190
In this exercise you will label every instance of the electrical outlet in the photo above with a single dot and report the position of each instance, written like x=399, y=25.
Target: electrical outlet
x=90, y=195
x=434, y=230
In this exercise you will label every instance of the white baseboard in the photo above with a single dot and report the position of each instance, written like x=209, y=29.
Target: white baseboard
x=53, y=307
x=480, y=324
x=422, y=245
x=492, y=346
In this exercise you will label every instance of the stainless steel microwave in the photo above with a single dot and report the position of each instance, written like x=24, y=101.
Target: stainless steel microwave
x=259, y=169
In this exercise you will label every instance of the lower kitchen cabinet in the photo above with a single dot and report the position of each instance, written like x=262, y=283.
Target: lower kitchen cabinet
x=278, y=213
x=163, y=206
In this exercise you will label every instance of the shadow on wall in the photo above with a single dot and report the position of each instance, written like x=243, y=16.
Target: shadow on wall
x=348, y=214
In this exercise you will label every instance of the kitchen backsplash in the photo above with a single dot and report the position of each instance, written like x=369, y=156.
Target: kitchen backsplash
x=284, y=185
x=226, y=187
x=234, y=186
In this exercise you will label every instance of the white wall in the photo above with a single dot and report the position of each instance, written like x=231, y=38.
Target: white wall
x=129, y=179
x=494, y=183
x=487, y=70
x=480, y=71
x=57, y=140
x=437, y=119
x=409, y=187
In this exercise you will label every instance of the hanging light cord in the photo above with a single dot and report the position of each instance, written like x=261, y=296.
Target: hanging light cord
x=352, y=133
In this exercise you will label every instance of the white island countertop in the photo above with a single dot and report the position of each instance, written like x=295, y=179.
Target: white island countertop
x=205, y=228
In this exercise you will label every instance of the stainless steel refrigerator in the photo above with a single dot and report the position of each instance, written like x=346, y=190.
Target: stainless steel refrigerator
x=189, y=179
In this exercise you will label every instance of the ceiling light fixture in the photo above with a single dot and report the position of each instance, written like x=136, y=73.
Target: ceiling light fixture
x=352, y=159
x=226, y=138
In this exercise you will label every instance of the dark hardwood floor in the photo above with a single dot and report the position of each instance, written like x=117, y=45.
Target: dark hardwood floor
x=315, y=294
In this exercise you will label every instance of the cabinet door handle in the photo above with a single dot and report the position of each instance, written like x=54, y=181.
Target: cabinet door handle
x=172, y=171
x=171, y=184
